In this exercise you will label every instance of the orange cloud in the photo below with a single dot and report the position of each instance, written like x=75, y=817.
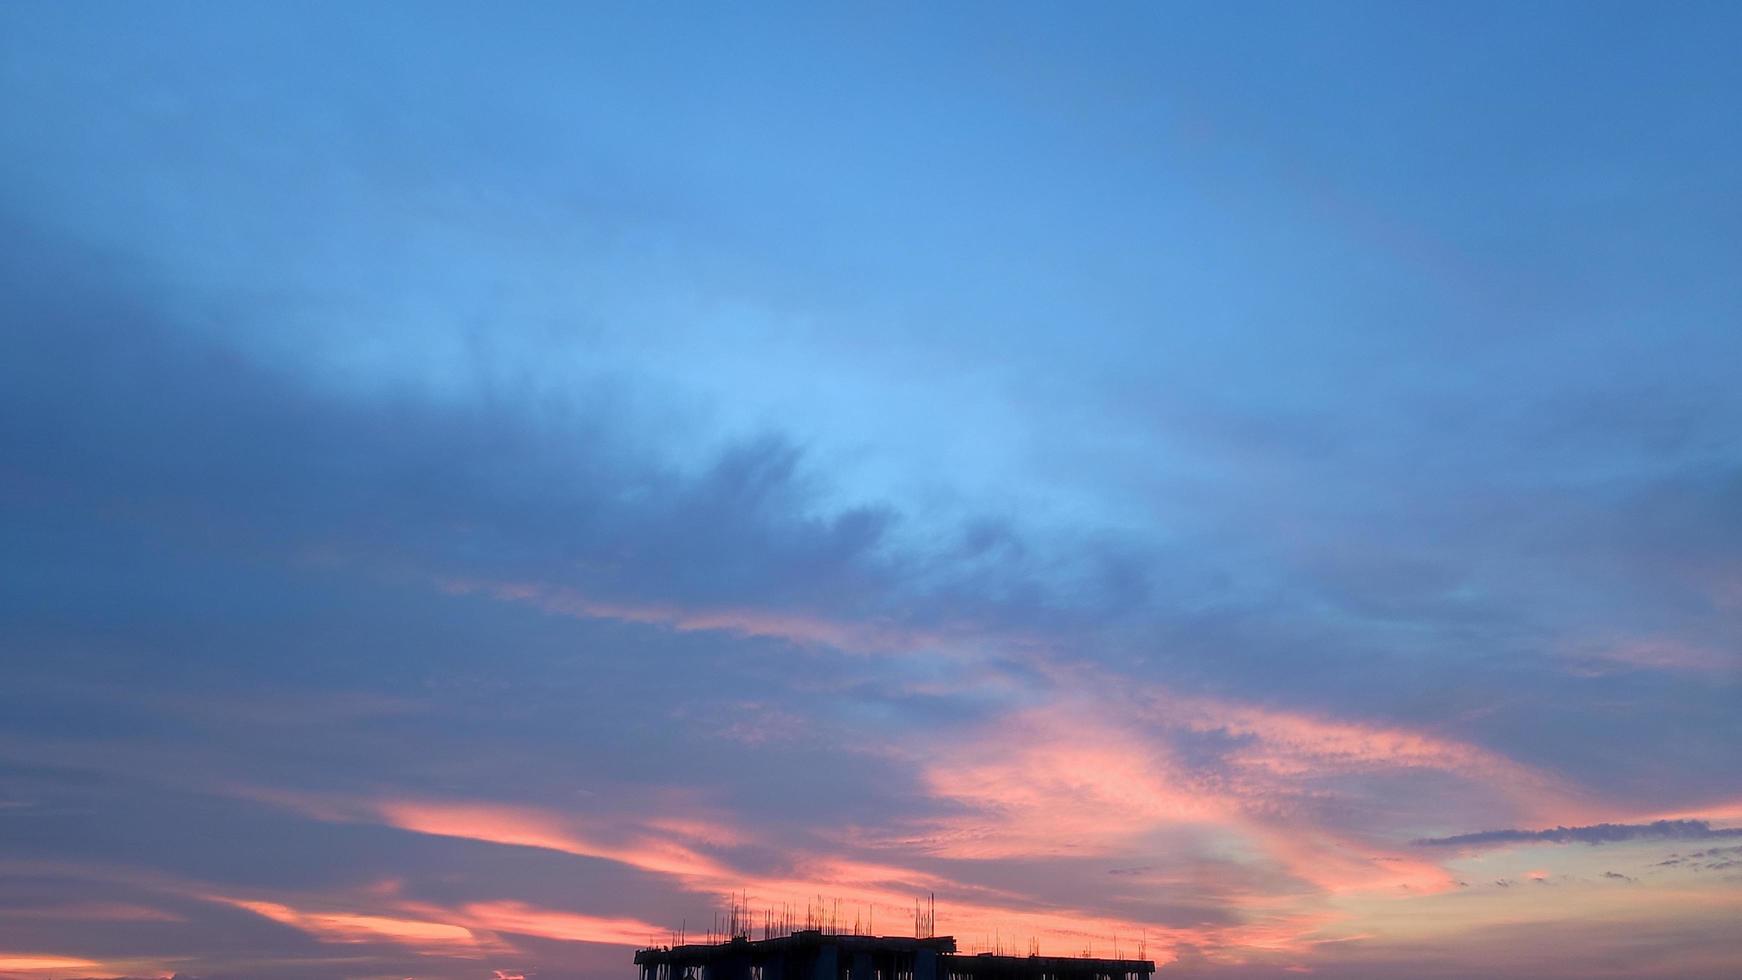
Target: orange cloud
x=521, y=919
x=37, y=963
x=350, y=927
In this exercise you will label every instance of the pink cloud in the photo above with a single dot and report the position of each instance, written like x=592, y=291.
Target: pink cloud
x=527, y=920
x=1291, y=743
x=1720, y=813
x=348, y=926
x=1049, y=782
x=796, y=627
x=1655, y=654
x=530, y=827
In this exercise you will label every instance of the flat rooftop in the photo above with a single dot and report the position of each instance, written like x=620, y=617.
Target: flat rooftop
x=816, y=955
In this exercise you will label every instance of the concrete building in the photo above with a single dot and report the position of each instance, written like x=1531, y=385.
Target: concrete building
x=814, y=955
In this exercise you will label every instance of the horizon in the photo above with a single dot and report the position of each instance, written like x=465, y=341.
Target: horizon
x=486, y=489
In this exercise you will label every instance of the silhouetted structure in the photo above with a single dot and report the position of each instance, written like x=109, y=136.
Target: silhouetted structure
x=810, y=954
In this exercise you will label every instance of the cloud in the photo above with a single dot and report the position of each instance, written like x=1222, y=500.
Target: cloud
x=43, y=963
x=468, y=930
x=1604, y=833
x=521, y=919
x=1710, y=859
x=1271, y=614
x=94, y=911
x=1658, y=655
x=659, y=852
x=344, y=926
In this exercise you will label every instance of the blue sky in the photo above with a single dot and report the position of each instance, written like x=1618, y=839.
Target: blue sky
x=480, y=486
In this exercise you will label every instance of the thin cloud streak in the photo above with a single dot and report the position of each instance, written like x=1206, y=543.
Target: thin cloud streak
x=1606, y=833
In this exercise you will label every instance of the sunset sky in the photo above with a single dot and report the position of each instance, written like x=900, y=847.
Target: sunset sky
x=1261, y=484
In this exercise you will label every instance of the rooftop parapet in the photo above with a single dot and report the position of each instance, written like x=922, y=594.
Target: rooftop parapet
x=815, y=955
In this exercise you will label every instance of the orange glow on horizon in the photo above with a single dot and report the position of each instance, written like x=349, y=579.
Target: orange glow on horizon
x=28, y=962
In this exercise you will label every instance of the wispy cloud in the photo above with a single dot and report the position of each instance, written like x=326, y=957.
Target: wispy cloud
x=1603, y=833
x=350, y=926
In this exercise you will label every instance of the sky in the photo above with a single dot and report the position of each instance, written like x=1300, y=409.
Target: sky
x=1253, y=486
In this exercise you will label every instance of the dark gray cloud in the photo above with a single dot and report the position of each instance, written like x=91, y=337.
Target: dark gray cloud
x=1710, y=859
x=109, y=407
x=1603, y=833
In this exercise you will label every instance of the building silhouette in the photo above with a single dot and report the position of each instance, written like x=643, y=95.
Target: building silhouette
x=811, y=954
